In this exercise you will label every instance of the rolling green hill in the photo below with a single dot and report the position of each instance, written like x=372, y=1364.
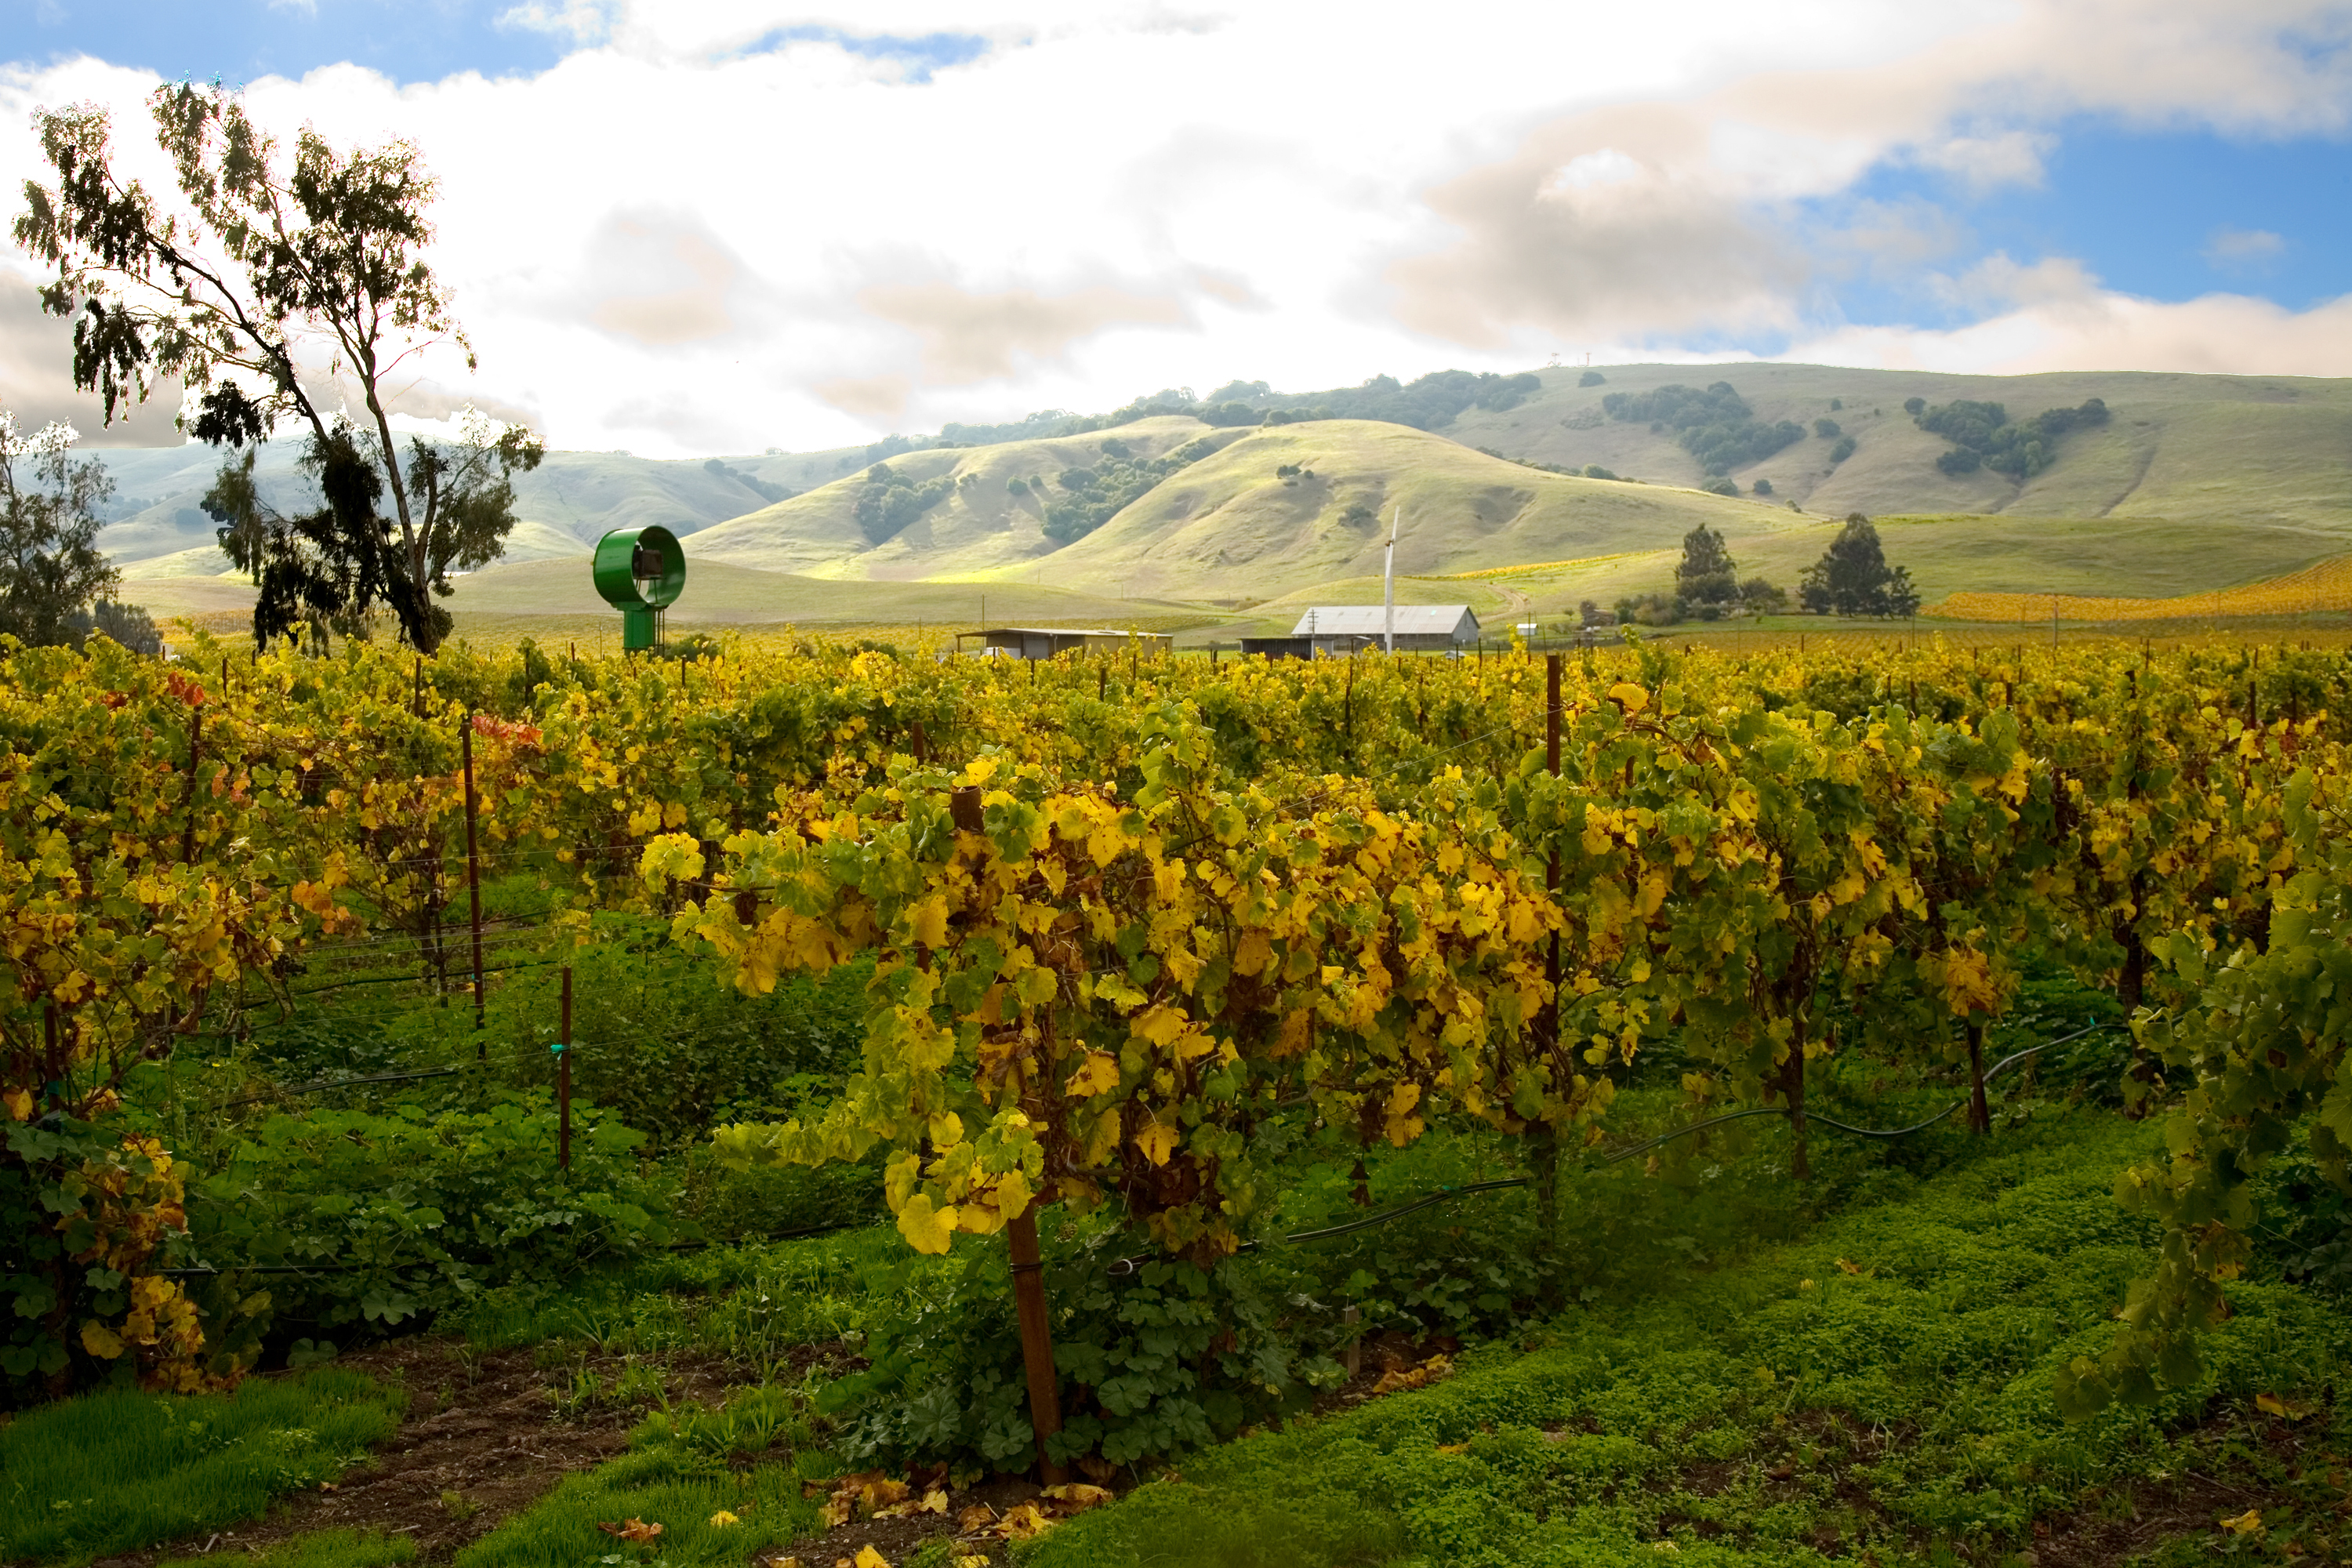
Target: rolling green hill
x=1231, y=528
x=980, y=529
x=2186, y=448
x=2193, y=483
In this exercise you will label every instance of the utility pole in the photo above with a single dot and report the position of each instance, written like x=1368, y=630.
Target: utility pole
x=1388, y=578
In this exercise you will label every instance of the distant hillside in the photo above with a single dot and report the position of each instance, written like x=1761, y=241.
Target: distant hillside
x=2268, y=450
x=1234, y=526
x=979, y=525
x=565, y=504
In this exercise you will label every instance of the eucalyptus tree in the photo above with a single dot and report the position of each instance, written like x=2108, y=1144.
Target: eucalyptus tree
x=280, y=291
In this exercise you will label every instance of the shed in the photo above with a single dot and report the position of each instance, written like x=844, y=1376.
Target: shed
x=1045, y=642
x=1420, y=628
x=1279, y=648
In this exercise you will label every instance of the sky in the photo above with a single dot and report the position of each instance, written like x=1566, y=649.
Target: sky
x=683, y=229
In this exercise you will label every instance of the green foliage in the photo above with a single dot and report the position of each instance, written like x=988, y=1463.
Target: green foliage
x=1982, y=435
x=1763, y=487
x=1760, y=596
x=1164, y=1360
x=115, y=1471
x=1852, y=578
x=1842, y=451
x=1871, y=1388
x=719, y=468
x=1591, y=378
x=687, y=1472
x=1715, y=425
x=1706, y=575
x=890, y=500
x=1098, y=494
x=320, y=1549
x=1595, y=471
x=1827, y=429
x=1720, y=487
x=415, y=1211
x=1915, y=406
x=50, y=565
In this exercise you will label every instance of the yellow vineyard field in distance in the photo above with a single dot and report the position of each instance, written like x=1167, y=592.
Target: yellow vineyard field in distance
x=2325, y=586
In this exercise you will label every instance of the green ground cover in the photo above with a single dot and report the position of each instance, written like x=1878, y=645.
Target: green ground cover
x=1877, y=1390
x=723, y=1484
x=320, y=1549
x=118, y=1469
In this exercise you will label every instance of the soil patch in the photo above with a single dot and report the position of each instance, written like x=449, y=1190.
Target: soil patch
x=482, y=1440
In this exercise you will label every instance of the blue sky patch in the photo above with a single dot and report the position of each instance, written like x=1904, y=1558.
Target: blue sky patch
x=242, y=40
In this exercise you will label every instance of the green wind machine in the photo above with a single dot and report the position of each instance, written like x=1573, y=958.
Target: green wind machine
x=640, y=573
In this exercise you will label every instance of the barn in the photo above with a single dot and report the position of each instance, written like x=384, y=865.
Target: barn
x=1332, y=629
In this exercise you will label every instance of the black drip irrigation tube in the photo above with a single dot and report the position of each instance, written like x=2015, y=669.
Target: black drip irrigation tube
x=1122, y=1267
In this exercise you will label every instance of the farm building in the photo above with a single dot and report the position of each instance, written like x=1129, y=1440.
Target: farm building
x=1045, y=642
x=1332, y=629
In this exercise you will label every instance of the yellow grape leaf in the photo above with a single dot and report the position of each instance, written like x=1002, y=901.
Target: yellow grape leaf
x=869, y=1558
x=1629, y=696
x=928, y=921
x=100, y=1341
x=638, y=1530
x=2291, y=1409
x=946, y=1131
x=1022, y=1522
x=1077, y=1495
x=935, y=1501
x=1157, y=1142
x=722, y=1519
x=2245, y=1523
x=1160, y=1024
x=19, y=1102
x=1098, y=1074
x=1012, y=1193
x=925, y=1229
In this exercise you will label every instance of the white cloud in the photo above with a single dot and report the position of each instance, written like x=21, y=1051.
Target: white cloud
x=2218, y=333
x=748, y=223
x=2232, y=248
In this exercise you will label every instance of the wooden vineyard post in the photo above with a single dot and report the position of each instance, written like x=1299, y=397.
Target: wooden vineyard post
x=1028, y=1265
x=196, y=750
x=1544, y=1145
x=1980, y=1114
x=564, y=1080
x=473, y=882
x=1037, y=1339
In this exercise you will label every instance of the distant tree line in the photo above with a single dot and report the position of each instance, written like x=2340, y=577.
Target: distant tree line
x=767, y=491
x=1713, y=425
x=1092, y=496
x=1982, y=435
x=1852, y=578
x=56, y=585
x=889, y=501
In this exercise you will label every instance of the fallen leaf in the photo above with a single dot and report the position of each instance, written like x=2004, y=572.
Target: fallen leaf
x=1023, y=1521
x=978, y=1516
x=631, y=1530
x=1848, y=1267
x=722, y=1519
x=327, y=1486
x=836, y=1514
x=974, y=1562
x=1076, y=1497
x=2245, y=1523
x=869, y=1558
x=2292, y=1409
x=934, y=1500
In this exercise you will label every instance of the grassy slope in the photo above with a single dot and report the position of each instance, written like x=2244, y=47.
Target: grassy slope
x=1227, y=528
x=1882, y=1383
x=2270, y=449
x=981, y=530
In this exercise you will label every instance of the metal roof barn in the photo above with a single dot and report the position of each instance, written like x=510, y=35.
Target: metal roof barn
x=1420, y=628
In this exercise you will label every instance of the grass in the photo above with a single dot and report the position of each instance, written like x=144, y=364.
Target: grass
x=319, y=1549
x=113, y=1471
x=688, y=1472
x=1875, y=1390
